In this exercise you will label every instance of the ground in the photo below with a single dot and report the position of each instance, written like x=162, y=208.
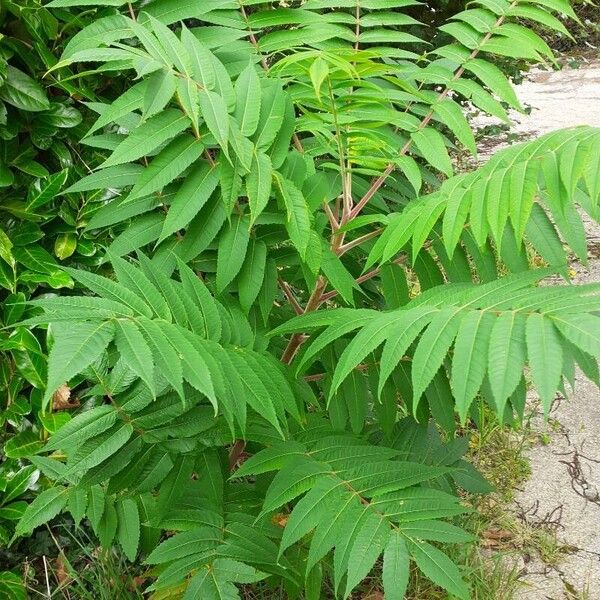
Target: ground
x=556, y=511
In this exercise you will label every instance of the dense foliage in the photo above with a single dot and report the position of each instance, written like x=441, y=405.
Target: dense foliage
x=284, y=304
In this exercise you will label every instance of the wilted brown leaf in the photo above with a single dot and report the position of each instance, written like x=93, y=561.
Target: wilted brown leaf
x=280, y=519
x=61, y=400
x=498, y=534
x=62, y=573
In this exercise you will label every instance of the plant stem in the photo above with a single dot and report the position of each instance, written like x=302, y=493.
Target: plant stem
x=368, y=275
x=298, y=338
x=377, y=183
x=287, y=290
x=317, y=297
x=358, y=241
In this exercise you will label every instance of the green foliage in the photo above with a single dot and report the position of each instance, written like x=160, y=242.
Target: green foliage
x=259, y=171
x=41, y=230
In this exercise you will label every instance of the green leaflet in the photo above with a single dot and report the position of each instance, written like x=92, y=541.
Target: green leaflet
x=75, y=347
x=111, y=291
x=232, y=251
x=45, y=507
x=97, y=449
x=95, y=508
x=319, y=71
x=431, y=145
x=251, y=275
x=93, y=305
x=105, y=30
x=368, y=544
x=148, y=136
x=141, y=232
x=396, y=565
x=288, y=484
x=455, y=216
x=132, y=346
x=242, y=147
x=411, y=170
x=217, y=583
x=298, y=217
x=439, y=531
x=452, y=116
x=581, y=330
x=272, y=112
x=201, y=57
x=506, y=356
x=367, y=340
x=248, y=100
x=432, y=349
x=545, y=357
x=167, y=165
x=159, y=91
x=107, y=526
x=128, y=528
x=195, y=540
x=132, y=99
x=469, y=363
x=402, y=336
x=257, y=395
x=77, y=504
x=215, y=113
x=327, y=532
x=187, y=94
x=344, y=322
x=173, y=486
x=258, y=184
x=114, y=212
x=543, y=235
x=195, y=370
x=307, y=512
x=494, y=79
x=25, y=443
x=167, y=289
x=202, y=299
x=439, y=568
x=272, y=458
x=118, y=176
x=136, y=281
x=85, y=425
x=337, y=274
x=191, y=196
x=231, y=184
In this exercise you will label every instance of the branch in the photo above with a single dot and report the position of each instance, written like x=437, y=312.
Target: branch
x=290, y=296
x=358, y=241
x=298, y=338
x=377, y=183
x=362, y=279
x=370, y=274
x=317, y=296
x=318, y=376
x=332, y=220
x=253, y=40
x=236, y=452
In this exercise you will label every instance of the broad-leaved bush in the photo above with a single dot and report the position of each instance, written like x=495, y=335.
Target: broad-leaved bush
x=300, y=303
